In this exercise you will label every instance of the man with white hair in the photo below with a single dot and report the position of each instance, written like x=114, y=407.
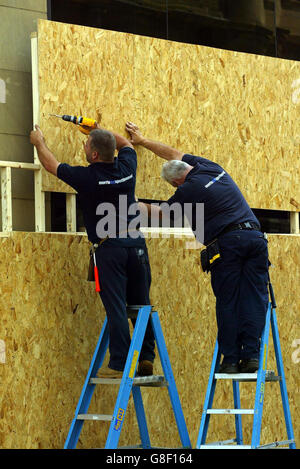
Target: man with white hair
x=236, y=251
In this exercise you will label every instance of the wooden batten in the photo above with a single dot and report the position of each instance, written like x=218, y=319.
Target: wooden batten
x=294, y=221
x=39, y=194
x=71, y=212
x=6, y=199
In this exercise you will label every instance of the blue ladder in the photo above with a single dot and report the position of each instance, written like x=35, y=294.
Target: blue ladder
x=261, y=377
x=128, y=383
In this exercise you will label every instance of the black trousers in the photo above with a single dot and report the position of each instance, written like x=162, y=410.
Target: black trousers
x=240, y=285
x=125, y=279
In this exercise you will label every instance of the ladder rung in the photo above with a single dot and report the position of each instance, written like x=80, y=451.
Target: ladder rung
x=270, y=376
x=225, y=446
x=222, y=442
x=153, y=380
x=237, y=376
x=221, y=445
x=132, y=310
x=140, y=446
x=94, y=417
x=276, y=444
x=230, y=411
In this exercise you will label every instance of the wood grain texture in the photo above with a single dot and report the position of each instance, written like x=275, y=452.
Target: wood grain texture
x=51, y=319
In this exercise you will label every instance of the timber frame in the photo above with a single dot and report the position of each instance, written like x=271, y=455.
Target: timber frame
x=39, y=194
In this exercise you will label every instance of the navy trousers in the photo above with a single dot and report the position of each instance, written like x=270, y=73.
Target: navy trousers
x=125, y=279
x=240, y=285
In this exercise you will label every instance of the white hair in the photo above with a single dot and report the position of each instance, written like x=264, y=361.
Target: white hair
x=173, y=169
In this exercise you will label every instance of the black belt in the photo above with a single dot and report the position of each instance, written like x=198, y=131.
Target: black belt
x=247, y=225
x=100, y=241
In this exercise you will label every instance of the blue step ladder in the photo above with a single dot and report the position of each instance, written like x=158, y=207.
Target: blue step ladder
x=261, y=377
x=129, y=382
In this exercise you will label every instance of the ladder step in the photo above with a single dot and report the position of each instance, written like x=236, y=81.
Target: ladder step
x=270, y=376
x=221, y=445
x=276, y=444
x=94, y=417
x=230, y=411
x=153, y=380
x=237, y=376
x=225, y=446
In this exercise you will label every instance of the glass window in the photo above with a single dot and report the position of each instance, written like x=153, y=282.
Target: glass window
x=243, y=25
x=148, y=18
x=288, y=29
x=265, y=27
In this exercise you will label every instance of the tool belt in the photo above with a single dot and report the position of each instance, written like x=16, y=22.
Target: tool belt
x=246, y=225
x=211, y=255
x=91, y=271
x=92, y=265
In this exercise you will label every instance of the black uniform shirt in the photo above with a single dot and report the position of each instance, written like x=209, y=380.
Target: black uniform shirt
x=106, y=191
x=224, y=204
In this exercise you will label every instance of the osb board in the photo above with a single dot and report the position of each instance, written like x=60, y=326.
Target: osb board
x=51, y=319
x=240, y=110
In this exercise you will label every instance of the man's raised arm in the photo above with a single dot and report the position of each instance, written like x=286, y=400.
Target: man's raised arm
x=46, y=157
x=121, y=141
x=160, y=149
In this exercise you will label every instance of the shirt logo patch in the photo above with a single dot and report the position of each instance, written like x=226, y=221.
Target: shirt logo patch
x=215, y=179
x=116, y=181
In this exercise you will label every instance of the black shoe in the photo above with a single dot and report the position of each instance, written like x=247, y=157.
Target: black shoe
x=145, y=368
x=229, y=368
x=249, y=366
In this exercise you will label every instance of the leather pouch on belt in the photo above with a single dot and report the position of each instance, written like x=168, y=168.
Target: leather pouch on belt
x=204, y=260
x=210, y=256
x=91, y=276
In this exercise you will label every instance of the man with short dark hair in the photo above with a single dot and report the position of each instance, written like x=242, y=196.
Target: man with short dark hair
x=104, y=143
x=236, y=251
x=121, y=255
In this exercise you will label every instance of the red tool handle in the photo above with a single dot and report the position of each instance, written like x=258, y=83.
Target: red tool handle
x=96, y=274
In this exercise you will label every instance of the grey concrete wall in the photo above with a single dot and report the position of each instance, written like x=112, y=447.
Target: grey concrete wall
x=18, y=19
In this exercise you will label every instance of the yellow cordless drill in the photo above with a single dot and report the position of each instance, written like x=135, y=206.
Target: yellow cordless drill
x=85, y=124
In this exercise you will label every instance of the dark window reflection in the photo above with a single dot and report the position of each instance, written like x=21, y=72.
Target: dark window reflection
x=273, y=221
x=288, y=29
x=243, y=25
x=267, y=27
x=138, y=17
x=58, y=212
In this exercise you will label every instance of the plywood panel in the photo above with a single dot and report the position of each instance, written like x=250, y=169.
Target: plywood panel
x=50, y=322
x=83, y=72
x=240, y=110
x=40, y=307
x=188, y=308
